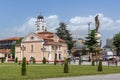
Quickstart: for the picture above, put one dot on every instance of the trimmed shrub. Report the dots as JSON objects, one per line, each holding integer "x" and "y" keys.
{"x": 93, "y": 63}
{"x": 19, "y": 63}
{"x": 23, "y": 69}
{"x": 66, "y": 68}
{"x": 55, "y": 60}
{"x": 2, "y": 60}
{"x": 34, "y": 61}
{"x": 27, "y": 63}
{"x": 16, "y": 60}
{"x": 44, "y": 60}
{"x": 80, "y": 61}
{"x": 100, "y": 66}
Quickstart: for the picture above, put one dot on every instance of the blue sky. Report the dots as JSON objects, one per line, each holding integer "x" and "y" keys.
{"x": 17, "y": 17}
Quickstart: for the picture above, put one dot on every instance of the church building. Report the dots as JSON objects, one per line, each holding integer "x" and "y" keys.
{"x": 41, "y": 44}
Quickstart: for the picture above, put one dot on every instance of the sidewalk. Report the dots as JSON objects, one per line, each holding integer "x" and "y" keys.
{"x": 93, "y": 77}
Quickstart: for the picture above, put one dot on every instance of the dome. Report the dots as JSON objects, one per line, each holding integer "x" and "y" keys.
{"x": 79, "y": 44}
{"x": 40, "y": 17}
{"x": 98, "y": 36}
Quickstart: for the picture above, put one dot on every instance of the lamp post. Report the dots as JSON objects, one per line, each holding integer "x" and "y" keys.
{"x": 43, "y": 50}
{"x": 23, "y": 49}
{"x": 55, "y": 48}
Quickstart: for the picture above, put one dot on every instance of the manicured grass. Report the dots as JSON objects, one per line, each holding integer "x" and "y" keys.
{"x": 12, "y": 71}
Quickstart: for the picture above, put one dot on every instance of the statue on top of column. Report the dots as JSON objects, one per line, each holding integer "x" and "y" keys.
{"x": 97, "y": 23}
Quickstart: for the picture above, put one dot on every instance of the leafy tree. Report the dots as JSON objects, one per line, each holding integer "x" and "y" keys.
{"x": 23, "y": 69}
{"x": 13, "y": 47}
{"x": 13, "y": 51}
{"x": 116, "y": 42}
{"x": 91, "y": 41}
{"x": 64, "y": 34}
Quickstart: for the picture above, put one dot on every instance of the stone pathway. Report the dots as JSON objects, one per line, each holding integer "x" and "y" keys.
{"x": 93, "y": 77}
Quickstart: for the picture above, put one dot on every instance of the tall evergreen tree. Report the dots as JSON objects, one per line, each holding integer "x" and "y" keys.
{"x": 116, "y": 42}
{"x": 23, "y": 68}
{"x": 91, "y": 41}
{"x": 64, "y": 34}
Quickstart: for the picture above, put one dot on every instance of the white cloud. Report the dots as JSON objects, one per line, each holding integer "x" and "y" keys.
{"x": 77, "y": 25}
{"x": 52, "y": 22}
{"x": 27, "y": 26}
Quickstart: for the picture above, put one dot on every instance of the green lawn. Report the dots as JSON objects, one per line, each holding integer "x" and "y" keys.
{"x": 12, "y": 71}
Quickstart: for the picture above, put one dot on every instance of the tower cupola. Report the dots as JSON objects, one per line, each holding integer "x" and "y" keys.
{"x": 40, "y": 24}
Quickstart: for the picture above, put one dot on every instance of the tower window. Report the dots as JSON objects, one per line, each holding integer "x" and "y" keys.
{"x": 42, "y": 27}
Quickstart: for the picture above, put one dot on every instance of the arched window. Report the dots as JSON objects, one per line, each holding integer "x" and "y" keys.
{"x": 31, "y": 47}
{"x": 59, "y": 56}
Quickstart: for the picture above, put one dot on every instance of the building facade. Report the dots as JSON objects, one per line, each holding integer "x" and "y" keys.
{"x": 41, "y": 44}
{"x": 6, "y": 47}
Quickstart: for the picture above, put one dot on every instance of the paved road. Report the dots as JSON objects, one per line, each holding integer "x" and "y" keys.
{"x": 95, "y": 77}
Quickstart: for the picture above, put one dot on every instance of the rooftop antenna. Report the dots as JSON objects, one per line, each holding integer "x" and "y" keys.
{"x": 89, "y": 27}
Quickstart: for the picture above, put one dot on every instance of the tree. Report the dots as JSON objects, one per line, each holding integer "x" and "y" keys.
{"x": 91, "y": 41}
{"x": 55, "y": 60}
{"x": 100, "y": 66}
{"x": 116, "y": 42}
{"x": 16, "y": 60}
{"x": 44, "y": 60}
{"x": 23, "y": 69}
{"x": 34, "y": 61}
{"x": 66, "y": 68}
{"x": 64, "y": 34}
{"x": 2, "y": 60}
{"x": 13, "y": 47}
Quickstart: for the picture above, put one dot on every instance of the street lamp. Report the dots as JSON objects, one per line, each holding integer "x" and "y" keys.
{"x": 55, "y": 48}
{"x": 23, "y": 49}
{"x": 43, "y": 50}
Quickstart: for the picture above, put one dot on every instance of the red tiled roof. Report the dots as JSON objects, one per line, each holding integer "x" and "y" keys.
{"x": 45, "y": 32}
{"x": 51, "y": 43}
{"x": 61, "y": 40}
{"x": 48, "y": 36}
{"x": 11, "y": 39}
{"x": 43, "y": 36}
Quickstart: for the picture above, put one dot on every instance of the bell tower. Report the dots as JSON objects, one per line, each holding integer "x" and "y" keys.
{"x": 40, "y": 24}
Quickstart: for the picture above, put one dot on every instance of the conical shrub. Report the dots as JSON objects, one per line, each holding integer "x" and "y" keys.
{"x": 34, "y": 61}
{"x": 55, "y": 60}
{"x": 44, "y": 60}
{"x": 66, "y": 68}
{"x": 79, "y": 61}
{"x": 100, "y": 66}
{"x": 23, "y": 69}
{"x": 2, "y": 60}
{"x": 93, "y": 63}
{"x": 16, "y": 60}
